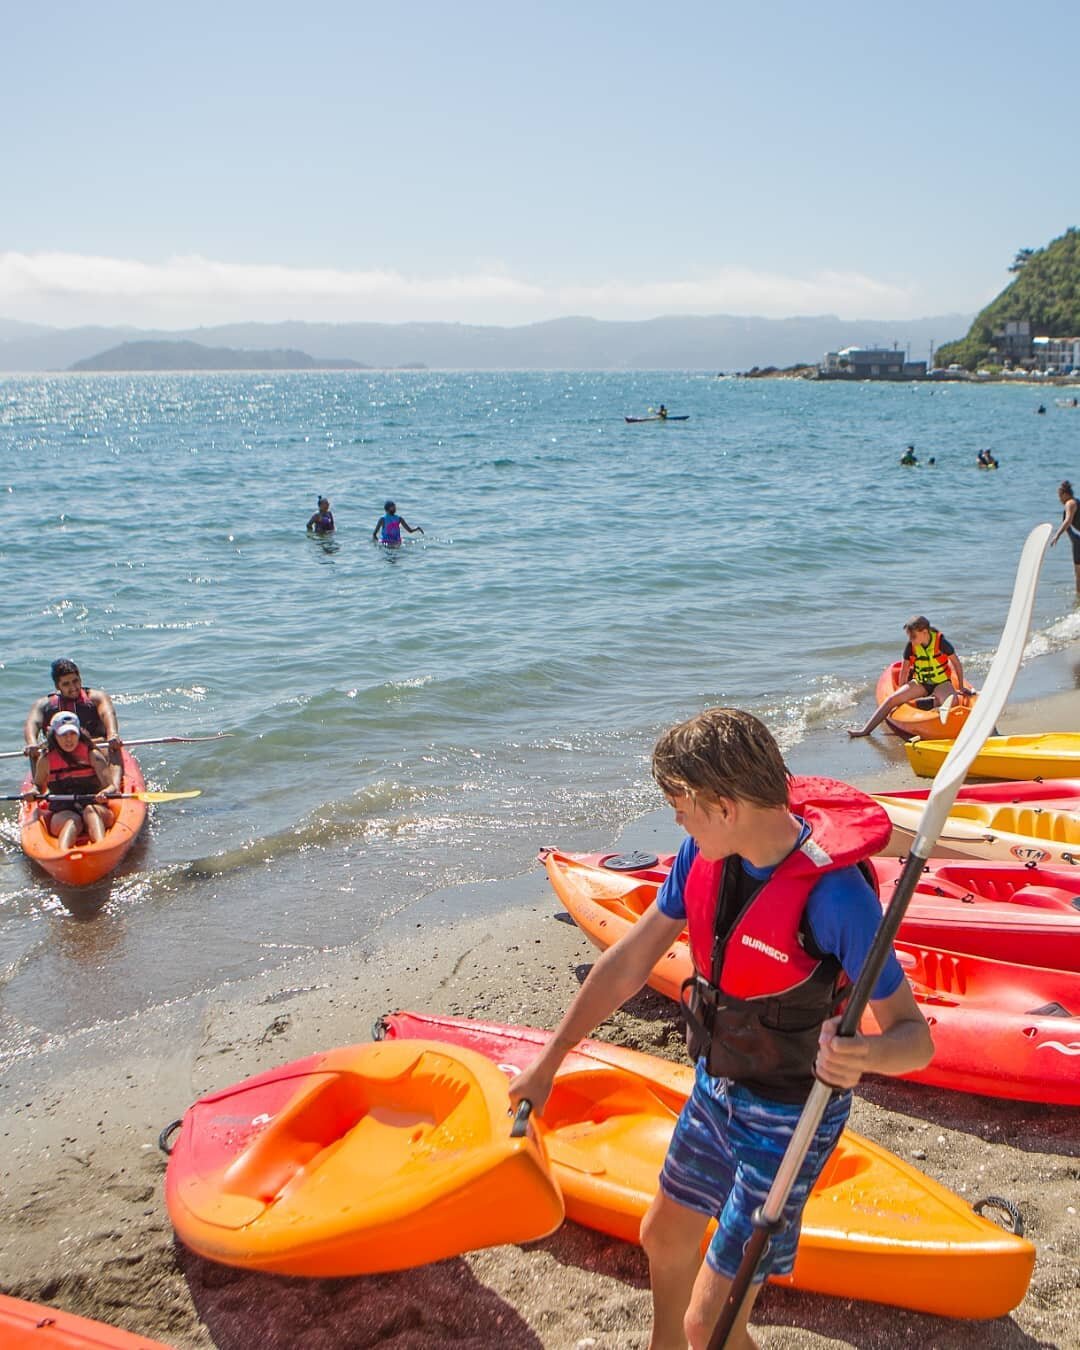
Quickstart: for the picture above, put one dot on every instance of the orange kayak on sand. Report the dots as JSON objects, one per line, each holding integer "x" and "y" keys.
{"x": 1000, "y": 1028}
{"x": 86, "y": 862}
{"x": 873, "y": 1228}
{"x": 922, "y": 718}
{"x": 32, "y": 1326}
{"x": 362, "y": 1159}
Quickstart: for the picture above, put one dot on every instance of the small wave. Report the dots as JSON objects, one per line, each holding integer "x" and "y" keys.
{"x": 792, "y": 720}
{"x": 1061, "y": 633}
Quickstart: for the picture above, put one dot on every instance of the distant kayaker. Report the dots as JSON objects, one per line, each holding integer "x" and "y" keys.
{"x": 1070, "y": 525}
{"x": 93, "y": 708}
{"x": 391, "y": 525}
{"x": 322, "y": 520}
{"x": 909, "y": 457}
{"x": 779, "y": 918}
{"x": 661, "y": 412}
{"x": 73, "y": 763}
{"x": 986, "y": 460}
{"x": 931, "y": 661}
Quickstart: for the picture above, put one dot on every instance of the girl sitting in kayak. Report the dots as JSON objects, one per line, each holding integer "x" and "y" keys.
{"x": 322, "y": 521}
{"x": 72, "y": 763}
{"x": 931, "y": 661}
{"x": 391, "y": 525}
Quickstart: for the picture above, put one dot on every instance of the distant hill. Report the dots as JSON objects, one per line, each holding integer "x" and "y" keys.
{"x": 194, "y": 356}
{"x": 710, "y": 343}
{"x": 1046, "y": 291}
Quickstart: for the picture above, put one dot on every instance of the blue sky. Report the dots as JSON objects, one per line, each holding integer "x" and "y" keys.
{"x": 501, "y": 163}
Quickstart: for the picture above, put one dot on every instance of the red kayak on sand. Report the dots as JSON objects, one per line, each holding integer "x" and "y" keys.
{"x": 1062, "y": 793}
{"x": 873, "y": 1228}
{"x": 32, "y": 1326}
{"x": 1005, "y": 911}
{"x": 86, "y": 862}
{"x": 1000, "y": 1028}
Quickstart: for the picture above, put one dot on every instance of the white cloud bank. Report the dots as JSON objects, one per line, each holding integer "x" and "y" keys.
{"x": 69, "y": 289}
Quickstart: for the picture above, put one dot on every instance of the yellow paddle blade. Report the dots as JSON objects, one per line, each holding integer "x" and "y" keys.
{"x": 163, "y": 796}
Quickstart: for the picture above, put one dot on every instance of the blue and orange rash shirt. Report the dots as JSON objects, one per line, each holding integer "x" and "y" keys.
{"x": 391, "y": 529}
{"x": 841, "y": 916}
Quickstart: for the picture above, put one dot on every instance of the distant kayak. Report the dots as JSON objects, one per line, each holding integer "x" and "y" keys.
{"x": 683, "y": 417}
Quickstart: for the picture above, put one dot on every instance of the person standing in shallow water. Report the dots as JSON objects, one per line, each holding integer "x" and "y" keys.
{"x": 1070, "y": 525}
{"x": 391, "y": 525}
{"x": 322, "y": 520}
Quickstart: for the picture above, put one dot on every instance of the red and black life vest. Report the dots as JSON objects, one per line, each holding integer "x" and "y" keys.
{"x": 84, "y": 708}
{"x": 74, "y": 772}
{"x": 761, "y": 990}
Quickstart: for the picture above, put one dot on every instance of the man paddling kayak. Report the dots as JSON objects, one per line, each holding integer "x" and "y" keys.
{"x": 779, "y": 918}
{"x": 92, "y": 707}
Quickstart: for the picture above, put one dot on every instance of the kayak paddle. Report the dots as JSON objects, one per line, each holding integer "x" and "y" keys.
{"x": 978, "y": 726}
{"x": 117, "y": 797}
{"x": 154, "y": 740}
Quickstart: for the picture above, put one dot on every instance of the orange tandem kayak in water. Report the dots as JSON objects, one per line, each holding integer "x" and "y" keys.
{"x": 86, "y": 862}
{"x": 367, "y": 1158}
{"x": 873, "y": 1228}
{"x": 32, "y": 1326}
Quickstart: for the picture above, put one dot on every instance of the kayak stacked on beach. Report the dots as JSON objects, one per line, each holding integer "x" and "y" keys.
{"x": 86, "y": 862}
{"x": 1050, "y": 755}
{"x": 1001, "y": 1028}
{"x": 368, "y": 1158}
{"x": 384, "y": 1156}
{"x": 873, "y": 1228}
{"x": 32, "y": 1326}
{"x": 1019, "y": 822}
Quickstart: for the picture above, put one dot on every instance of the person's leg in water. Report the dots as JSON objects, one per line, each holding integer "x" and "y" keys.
{"x": 907, "y": 693}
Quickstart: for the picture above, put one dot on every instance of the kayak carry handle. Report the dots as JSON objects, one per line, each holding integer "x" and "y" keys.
{"x": 521, "y": 1119}
{"x": 163, "y": 1137}
{"x": 1016, "y": 1221}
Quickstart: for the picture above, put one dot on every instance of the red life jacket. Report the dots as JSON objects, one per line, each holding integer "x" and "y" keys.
{"x": 65, "y": 776}
{"x": 84, "y": 708}
{"x": 759, "y": 995}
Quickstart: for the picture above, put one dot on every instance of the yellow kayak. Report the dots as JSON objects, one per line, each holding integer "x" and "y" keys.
{"x": 1018, "y": 831}
{"x": 1054, "y": 755}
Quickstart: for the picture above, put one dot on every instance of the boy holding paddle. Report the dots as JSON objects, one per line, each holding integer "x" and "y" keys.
{"x": 779, "y": 919}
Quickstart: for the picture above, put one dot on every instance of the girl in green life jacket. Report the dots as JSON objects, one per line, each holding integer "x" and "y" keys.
{"x": 929, "y": 668}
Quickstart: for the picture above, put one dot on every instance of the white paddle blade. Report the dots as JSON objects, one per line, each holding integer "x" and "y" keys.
{"x": 990, "y": 702}
{"x": 945, "y": 708}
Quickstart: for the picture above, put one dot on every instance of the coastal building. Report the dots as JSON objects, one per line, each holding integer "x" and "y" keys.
{"x": 1012, "y": 342}
{"x": 870, "y": 363}
{"x": 1056, "y": 355}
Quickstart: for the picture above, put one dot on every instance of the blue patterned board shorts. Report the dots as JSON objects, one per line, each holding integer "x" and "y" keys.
{"x": 724, "y": 1153}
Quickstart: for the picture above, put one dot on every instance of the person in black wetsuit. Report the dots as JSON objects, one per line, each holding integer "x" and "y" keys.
{"x": 1070, "y": 525}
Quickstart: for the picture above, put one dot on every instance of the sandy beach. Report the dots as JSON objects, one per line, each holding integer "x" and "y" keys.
{"x": 84, "y": 1225}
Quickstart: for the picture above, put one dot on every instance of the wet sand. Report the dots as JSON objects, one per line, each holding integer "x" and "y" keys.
{"x": 84, "y": 1225}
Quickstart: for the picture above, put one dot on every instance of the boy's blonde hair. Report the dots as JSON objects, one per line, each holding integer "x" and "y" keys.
{"x": 722, "y": 752}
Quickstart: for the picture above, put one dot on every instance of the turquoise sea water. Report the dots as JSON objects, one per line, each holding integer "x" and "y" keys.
{"x": 401, "y": 722}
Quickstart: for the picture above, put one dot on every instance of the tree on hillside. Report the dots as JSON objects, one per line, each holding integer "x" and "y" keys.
{"x": 1021, "y": 258}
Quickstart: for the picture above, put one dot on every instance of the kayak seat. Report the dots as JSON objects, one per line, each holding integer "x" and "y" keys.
{"x": 1045, "y": 897}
